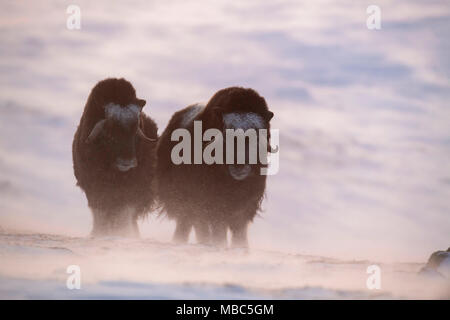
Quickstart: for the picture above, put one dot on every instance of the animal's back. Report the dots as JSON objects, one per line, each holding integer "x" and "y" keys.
{"x": 173, "y": 180}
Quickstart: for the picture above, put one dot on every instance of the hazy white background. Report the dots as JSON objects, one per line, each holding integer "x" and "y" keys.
{"x": 363, "y": 115}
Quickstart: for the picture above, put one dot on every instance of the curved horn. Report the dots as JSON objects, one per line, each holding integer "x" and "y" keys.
{"x": 96, "y": 131}
{"x": 141, "y": 134}
{"x": 271, "y": 149}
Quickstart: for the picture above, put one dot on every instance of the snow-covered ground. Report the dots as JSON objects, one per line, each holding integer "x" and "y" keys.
{"x": 364, "y": 144}
{"x": 34, "y": 266}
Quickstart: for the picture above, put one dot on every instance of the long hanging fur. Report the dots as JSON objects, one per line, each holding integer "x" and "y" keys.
{"x": 206, "y": 196}
{"x": 108, "y": 190}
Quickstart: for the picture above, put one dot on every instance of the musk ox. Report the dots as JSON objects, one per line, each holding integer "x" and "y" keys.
{"x": 114, "y": 158}
{"x": 215, "y": 197}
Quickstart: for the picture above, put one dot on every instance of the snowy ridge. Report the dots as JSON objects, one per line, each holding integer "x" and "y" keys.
{"x": 35, "y": 267}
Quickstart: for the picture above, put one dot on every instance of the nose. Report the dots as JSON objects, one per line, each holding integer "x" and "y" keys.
{"x": 240, "y": 172}
{"x": 126, "y": 164}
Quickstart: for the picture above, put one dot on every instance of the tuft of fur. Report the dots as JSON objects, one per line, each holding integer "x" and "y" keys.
{"x": 207, "y": 197}
{"x": 110, "y": 192}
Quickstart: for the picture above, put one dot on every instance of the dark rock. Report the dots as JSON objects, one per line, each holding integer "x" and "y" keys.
{"x": 437, "y": 264}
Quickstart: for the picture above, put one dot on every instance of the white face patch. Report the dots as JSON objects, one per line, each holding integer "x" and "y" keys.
{"x": 125, "y": 115}
{"x": 243, "y": 121}
{"x": 190, "y": 115}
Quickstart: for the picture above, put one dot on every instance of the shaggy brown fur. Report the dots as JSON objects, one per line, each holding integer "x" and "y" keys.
{"x": 117, "y": 198}
{"x": 206, "y": 196}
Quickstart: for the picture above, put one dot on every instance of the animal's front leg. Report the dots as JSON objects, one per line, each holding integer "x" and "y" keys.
{"x": 121, "y": 222}
{"x": 182, "y": 230}
{"x": 124, "y": 223}
{"x": 219, "y": 234}
{"x": 202, "y": 231}
{"x": 239, "y": 234}
{"x": 100, "y": 223}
